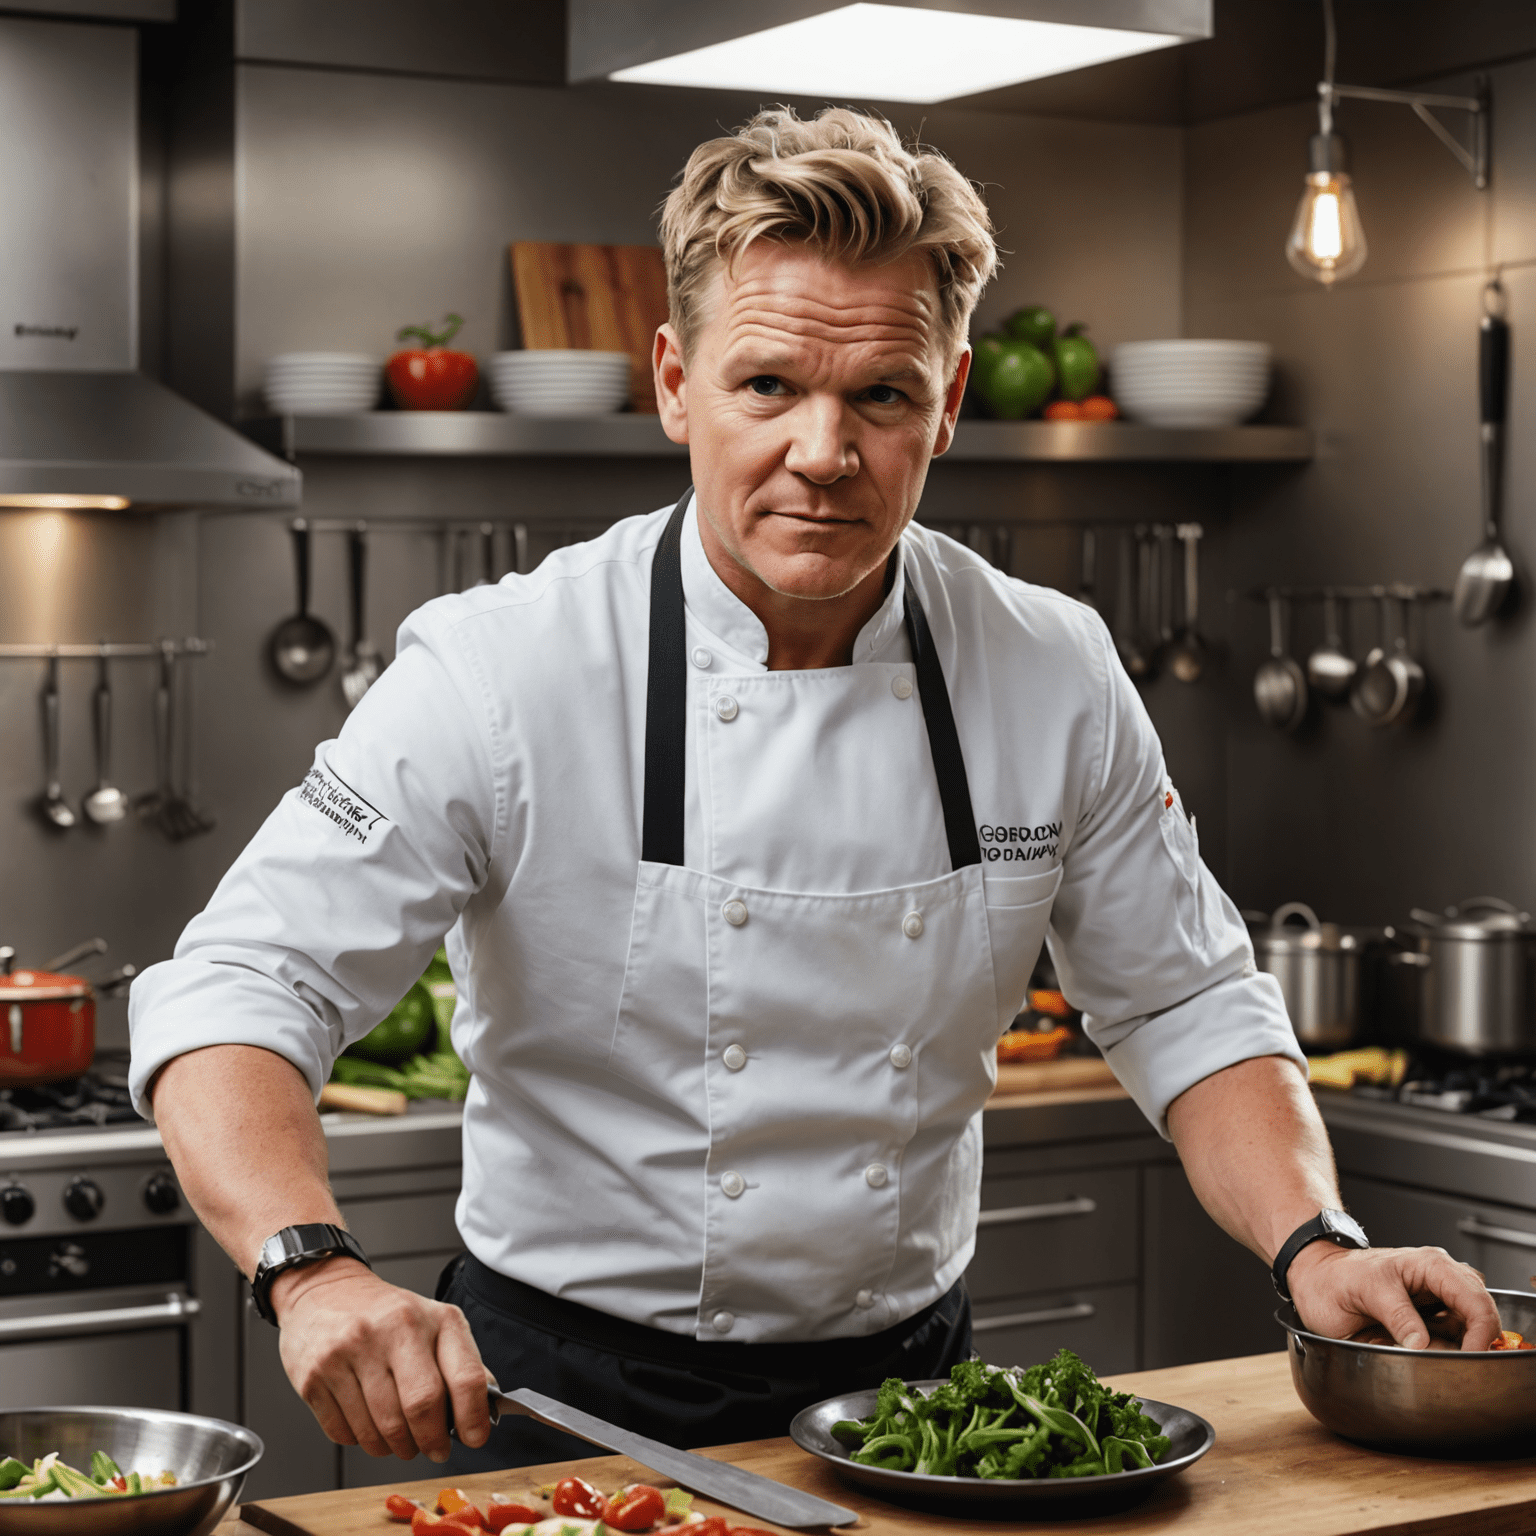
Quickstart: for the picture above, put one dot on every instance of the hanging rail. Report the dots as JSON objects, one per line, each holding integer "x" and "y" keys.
{"x": 110, "y": 650}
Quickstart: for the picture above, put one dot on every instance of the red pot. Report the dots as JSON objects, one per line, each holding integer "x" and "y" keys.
{"x": 47, "y": 1027}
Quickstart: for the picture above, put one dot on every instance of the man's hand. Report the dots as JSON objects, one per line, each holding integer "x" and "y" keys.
{"x": 377, "y": 1364}
{"x": 1339, "y": 1291}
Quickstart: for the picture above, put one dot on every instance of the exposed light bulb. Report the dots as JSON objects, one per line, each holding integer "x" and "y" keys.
{"x": 1326, "y": 241}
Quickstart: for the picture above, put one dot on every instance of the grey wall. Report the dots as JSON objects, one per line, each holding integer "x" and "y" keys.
{"x": 1361, "y": 824}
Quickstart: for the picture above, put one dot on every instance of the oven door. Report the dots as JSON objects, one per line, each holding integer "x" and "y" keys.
{"x": 122, "y": 1347}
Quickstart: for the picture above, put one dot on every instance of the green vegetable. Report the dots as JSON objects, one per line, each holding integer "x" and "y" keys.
{"x": 679, "y": 1503}
{"x": 12, "y": 1472}
{"x": 1077, "y": 364}
{"x": 409, "y": 1027}
{"x": 1035, "y": 324}
{"x": 1053, "y": 1420}
{"x": 985, "y": 351}
{"x": 1019, "y": 381}
{"x": 103, "y": 1468}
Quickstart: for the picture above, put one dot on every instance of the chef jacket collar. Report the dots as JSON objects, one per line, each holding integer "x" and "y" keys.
{"x": 725, "y": 616}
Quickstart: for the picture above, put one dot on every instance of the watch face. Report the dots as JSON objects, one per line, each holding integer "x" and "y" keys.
{"x": 1342, "y": 1224}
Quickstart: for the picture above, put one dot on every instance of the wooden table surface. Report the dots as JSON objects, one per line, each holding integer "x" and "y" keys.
{"x": 1274, "y": 1471}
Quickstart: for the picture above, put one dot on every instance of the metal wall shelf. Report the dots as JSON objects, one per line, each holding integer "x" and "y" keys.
{"x": 492, "y": 434}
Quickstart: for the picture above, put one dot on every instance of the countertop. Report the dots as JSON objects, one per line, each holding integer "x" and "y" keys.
{"x": 1274, "y": 1471}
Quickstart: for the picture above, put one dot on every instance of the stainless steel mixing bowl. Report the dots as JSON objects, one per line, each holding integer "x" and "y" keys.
{"x": 209, "y": 1457}
{"x": 1422, "y": 1402}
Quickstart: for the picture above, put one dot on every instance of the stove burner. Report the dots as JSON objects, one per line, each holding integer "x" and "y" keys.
{"x": 100, "y": 1097}
{"x": 1492, "y": 1090}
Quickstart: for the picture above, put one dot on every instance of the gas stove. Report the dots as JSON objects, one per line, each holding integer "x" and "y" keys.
{"x": 1489, "y": 1088}
{"x": 98, "y": 1098}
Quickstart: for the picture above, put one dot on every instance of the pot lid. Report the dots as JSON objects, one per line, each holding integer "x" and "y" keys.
{"x": 1479, "y": 919}
{"x": 1277, "y": 934}
{"x": 41, "y": 987}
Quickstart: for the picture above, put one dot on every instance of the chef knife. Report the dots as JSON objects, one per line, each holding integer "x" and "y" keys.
{"x": 743, "y": 1490}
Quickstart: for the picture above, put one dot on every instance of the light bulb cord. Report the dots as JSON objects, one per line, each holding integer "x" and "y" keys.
{"x": 1330, "y": 57}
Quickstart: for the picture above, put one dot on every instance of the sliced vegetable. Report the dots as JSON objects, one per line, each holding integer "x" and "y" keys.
{"x": 636, "y": 1508}
{"x": 454, "y": 1503}
{"x": 400, "y": 1508}
{"x": 103, "y": 1468}
{"x": 576, "y": 1496}
{"x": 502, "y": 1512}
{"x": 12, "y": 1472}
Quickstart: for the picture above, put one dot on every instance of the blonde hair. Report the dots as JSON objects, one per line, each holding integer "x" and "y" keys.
{"x": 842, "y": 183}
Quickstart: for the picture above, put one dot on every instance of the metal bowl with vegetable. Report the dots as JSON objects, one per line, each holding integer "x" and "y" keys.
{"x": 1003, "y": 1436}
{"x": 59, "y": 1468}
{"x": 1440, "y": 1401}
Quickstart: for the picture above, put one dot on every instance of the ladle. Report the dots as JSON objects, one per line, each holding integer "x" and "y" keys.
{"x": 362, "y": 670}
{"x": 1280, "y": 686}
{"x": 302, "y": 648}
{"x": 106, "y": 803}
{"x": 53, "y": 805}
{"x": 1133, "y": 655}
{"x": 1330, "y": 668}
{"x": 1487, "y": 574}
{"x": 1187, "y": 660}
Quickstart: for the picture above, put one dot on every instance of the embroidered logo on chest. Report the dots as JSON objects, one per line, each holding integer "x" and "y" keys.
{"x": 1022, "y": 845}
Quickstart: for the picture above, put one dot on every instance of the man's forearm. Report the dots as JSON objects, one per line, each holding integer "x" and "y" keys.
{"x": 240, "y": 1127}
{"x": 1254, "y": 1148}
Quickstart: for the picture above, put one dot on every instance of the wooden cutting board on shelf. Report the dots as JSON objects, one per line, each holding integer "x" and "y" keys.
{"x": 602, "y": 298}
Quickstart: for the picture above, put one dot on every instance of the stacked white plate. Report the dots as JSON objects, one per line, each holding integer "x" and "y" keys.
{"x": 1190, "y": 383}
{"x": 559, "y": 382}
{"x": 303, "y": 383}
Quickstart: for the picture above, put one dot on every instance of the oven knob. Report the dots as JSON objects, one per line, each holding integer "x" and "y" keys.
{"x": 161, "y": 1194}
{"x": 16, "y": 1204}
{"x": 68, "y": 1259}
{"x": 83, "y": 1199}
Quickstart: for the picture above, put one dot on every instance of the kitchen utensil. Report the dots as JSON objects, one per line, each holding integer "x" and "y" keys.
{"x": 603, "y": 297}
{"x": 1330, "y": 668}
{"x": 47, "y": 1028}
{"x": 302, "y": 648}
{"x": 1186, "y": 660}
{"x": 487, "y": 576}
{"x": 743, "y": 1490}
{"x": 1087, "y": 576}
{"x": 1163, "y": 574}
{"x": 209, "y": 1457}
{"x": 1386, "y": 689}
{"x": 1133, "y": 655}
{"x": 1478, "y": 992}
{"x": 1320, "y": 970}
{"x": 106, "y": 803}
{"x": 1487, "y": 574}
{"x": 1280, "y": 686}
{"x": 55, "y": 809}
{"x": 520, "y": 548}
{"x": 1421, "y": 1402}
{"x": 362, "y": 664}
{"x": 811, "y": 1430}
{"x": 1190, "y": 382}
{"x": 88, "y": 949}
{"x": 1001, "y": 553}
{"x": 164, "y": 807}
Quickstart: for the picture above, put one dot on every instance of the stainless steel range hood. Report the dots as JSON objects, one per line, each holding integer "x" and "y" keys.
{"x": 80, "y": 426}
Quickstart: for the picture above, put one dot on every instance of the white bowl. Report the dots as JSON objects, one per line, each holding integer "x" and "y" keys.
{"x": 319, "y": 402}
{"x": 1190, "y": 382}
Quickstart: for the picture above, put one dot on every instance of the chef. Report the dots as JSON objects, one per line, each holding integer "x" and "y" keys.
{"x": 745, "y": 823}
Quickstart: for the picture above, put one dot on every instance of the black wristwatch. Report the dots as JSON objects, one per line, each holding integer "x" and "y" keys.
{"x": 294, "y": 1246}
{"x": 1327, "y": 1227}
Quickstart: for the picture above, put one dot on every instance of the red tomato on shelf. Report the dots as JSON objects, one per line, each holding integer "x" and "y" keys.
{"x": 635, "y": 1509}
{"x": 576, "y": 1496}
{"x": 430, "y": 377}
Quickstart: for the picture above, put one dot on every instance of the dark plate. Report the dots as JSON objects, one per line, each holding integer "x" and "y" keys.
{"x": 1191, "y": 1435}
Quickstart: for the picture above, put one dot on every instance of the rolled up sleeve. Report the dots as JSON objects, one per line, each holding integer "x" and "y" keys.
{"x": 339, "y": 901}
{"x": 1144, "y": 940}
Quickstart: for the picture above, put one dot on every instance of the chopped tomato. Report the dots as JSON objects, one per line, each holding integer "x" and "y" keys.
{"x": 401, "y": 1508}
{"x": 749, "y": 1530}
{"x": 456, "y": 1505}
{"x": 637, "y": 1508}
{"x": 1509, "y": 1340}
{"x": 714, "y": 1526}
{"x": 502, "y": 1512}
{"x": 576, "y": 1496}
{"x": 120, "y": 1483}
{"x": 425, "y": 1523}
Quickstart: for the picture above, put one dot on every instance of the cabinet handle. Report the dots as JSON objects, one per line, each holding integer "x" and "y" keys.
{"x": 1075, "y": 1313}
{"x": 55, "y": 1325}
{"x": 1472, "y": 1227}
{"x": 1079, "y": 1205}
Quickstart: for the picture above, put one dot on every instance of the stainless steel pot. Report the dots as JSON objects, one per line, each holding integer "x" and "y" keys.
{"x": 1319, "y": 968}
{"x": 1479, "y": 988}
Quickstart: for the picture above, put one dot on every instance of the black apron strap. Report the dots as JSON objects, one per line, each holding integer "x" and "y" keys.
{"x": 666, "y": 714}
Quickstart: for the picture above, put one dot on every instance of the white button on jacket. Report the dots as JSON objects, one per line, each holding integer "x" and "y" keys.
{"x": 489, "y": 788}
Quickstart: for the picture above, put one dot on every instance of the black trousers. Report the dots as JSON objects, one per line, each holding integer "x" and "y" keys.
{"x": 669, "y": 1386}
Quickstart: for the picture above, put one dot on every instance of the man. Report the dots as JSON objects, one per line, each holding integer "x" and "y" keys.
{"x": 697, "y": 806}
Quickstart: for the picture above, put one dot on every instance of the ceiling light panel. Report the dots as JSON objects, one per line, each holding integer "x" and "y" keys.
{"x": 894, "y": 53}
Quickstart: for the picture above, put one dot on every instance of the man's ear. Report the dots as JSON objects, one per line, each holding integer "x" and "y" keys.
{"x": 952, "y": 399}
{"x": 671, "y": 383}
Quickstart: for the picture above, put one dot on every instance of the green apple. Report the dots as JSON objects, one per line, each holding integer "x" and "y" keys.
{"x": 1077, "y": 364}
{"x": 1035, "y": 324}
{"x": 984, "y": 350}
{"x": 1020, "y": 382}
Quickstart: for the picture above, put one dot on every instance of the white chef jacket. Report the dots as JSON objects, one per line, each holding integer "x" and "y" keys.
{"x": 489, "y": 788}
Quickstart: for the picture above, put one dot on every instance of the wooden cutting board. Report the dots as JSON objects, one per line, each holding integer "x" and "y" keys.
{"x": 604, "y": 298}
{"x": 1274, "y": 1471}
{"x": 1067, "y": 1074}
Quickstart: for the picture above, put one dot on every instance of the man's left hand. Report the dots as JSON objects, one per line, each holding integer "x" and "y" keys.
{"x": 1339, "y": 1291}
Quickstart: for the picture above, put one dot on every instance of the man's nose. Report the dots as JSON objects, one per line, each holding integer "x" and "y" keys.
{"x": 821, "y": 446}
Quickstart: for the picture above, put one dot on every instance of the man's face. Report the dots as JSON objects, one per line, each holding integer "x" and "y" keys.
{"x": 815, "y": 396}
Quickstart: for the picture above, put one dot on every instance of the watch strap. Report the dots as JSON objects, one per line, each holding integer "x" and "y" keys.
{"x": 307, "y": 1243}
{"x": 1327, "y": 1226}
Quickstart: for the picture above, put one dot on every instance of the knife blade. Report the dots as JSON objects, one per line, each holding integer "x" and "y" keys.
{"x": 743, "y": 1490}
